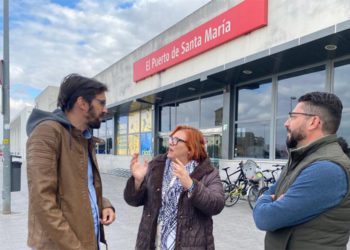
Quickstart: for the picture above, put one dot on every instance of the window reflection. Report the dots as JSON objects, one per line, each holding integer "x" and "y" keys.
{"x": 292, "y": 86}
{"x": 122, "y": 138}
{"x": 281, "y": 136}
{"x": 213, "y": 147}
{"x": 252, "y": 140}
{"x": 167, "y": 118}
{"x": 252, "y": 129}
{"x": 254, "y": 101}
{"x": 341, "y": 82}
{"x": 344, "y": 130}
{"x": 211, "y": 111}
{"x": 105, "y": 132}
{"x": 163, "y": 145}
{"x": 187, "y": 113}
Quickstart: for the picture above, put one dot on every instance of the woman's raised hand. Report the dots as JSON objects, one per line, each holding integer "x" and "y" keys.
{"x": 179, "y": 170}
{"x": 138, "y": 170}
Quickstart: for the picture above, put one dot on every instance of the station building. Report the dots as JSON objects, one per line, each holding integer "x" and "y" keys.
{"x": 233, "y": 69}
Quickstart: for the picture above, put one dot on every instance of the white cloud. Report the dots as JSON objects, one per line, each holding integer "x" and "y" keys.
{"x": 51, "y": 41}
{"x": 48, "y": 41}
{"x": 17, "y": 105}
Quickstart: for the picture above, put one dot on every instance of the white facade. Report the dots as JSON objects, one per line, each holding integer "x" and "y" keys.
{"x": 47, "y": 99}
{"x": 18, "y": 136}
{"x": 288, "y": 22}
{"x": 305, "y": 46}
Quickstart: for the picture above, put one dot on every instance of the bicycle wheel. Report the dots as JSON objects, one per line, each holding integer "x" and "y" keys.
{"x": 225, "y": 185}
{"x": 262, "y": 191}
{"x": 232, "y": 195}
{"x": 253, "y": 195}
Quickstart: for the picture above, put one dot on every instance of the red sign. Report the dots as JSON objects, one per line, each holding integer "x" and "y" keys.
{"x": 237, "y": 21}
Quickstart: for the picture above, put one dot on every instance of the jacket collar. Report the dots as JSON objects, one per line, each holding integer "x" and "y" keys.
{"x": 296, "y": 155}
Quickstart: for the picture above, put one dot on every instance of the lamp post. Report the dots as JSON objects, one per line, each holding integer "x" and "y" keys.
{"x": 6, "y": 190}
{"x": 291, "y": 102}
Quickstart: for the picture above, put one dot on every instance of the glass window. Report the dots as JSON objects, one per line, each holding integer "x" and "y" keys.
{"x": 252, "y": 140}
{"x": 254, "y": 101}
{"x": 341, "y": 82}
{"x": 133, "y": 144}
{"x": 281, "y": 136}
{"x": 163, "y": 145}
{"x": 252, "y": 129}
{"x": 213, "y": 145}
{"x": 146, "y": 143}
{"x": 105, "y": 132}
{"x": 343, "y": 130}
{"x": 134, "y": 133}
{"x": 109, "y": 145}
{"x": 121, "y": 137}
{"x": 187, "y": 113}
{"x": 146, "y": 120}
{"x": 134, "y": 122}
{"x": 290, "y": 88}
{"x": 341, "y": 89}
{"x": 122, "y": 145}
{"x": 211, "y": 111}
{"x": 109, "y": 136}
{"x": 122, "y": 126}
{"x": 167, "y": 118}
{"x": 294, "y": 85}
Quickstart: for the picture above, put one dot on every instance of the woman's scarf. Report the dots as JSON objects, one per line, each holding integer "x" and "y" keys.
{"x": 171, "y": 191}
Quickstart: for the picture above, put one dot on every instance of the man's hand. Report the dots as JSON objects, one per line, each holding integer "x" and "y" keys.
{"x": 273, "y": 196}
{"x": 108, "y": 216}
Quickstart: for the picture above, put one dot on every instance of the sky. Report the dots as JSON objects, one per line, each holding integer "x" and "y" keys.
{"x": 50, "y": 39}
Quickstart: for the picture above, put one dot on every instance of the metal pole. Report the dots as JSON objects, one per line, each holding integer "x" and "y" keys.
{"x": 6, "y": 189}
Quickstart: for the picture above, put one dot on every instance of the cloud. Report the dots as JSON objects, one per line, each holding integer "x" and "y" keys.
{"x": 50, "y": 39}
{"x": 16, "y": 106}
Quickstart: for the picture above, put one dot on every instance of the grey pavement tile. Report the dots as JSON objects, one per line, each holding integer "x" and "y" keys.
{"x": 233, "y": 227}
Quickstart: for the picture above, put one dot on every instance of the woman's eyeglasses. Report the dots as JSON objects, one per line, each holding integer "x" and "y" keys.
{"x": 175, "y": 140}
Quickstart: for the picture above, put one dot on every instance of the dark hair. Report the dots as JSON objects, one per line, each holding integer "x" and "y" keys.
{"x": 195, "y": 142}
{"x": 325, "y": 105}
{"x": 75, "y": 85}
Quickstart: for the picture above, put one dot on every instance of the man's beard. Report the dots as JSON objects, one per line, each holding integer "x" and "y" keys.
{"x": 295, "y": 137}
{"x": 93, "y": 121}
{"x": 96, "y": 124}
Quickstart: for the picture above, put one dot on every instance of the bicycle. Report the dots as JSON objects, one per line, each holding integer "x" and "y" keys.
{"x": 242, "y": 185}
{"x": 254, "y": 189}
{"x": 268, "y": 181}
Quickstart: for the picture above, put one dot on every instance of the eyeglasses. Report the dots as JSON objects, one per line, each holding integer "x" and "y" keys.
{"x": 291, "y": 114}
{"x": 175, "y": 140}
{"x": 101, "y": 102}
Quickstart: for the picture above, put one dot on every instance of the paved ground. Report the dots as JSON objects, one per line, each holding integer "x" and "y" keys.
{"x": 233, "y": 228}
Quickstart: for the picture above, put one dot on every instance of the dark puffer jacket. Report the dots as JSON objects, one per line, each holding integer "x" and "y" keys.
{"x": 194, "y": 222}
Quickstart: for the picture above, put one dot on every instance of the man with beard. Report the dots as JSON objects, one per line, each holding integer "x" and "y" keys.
{"x": 66, "y": 207}
{"x": 309, "y": 206}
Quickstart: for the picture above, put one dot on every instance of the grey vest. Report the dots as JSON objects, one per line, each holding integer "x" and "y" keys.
{"x": 331, "y": 229}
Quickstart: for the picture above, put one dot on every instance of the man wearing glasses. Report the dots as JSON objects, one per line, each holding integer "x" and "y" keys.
{"x": 66, "y": 207}
{"x": 309, "y": 206}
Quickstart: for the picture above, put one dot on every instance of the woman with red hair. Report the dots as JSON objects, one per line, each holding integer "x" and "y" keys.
{"x": 180, "y": 191}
